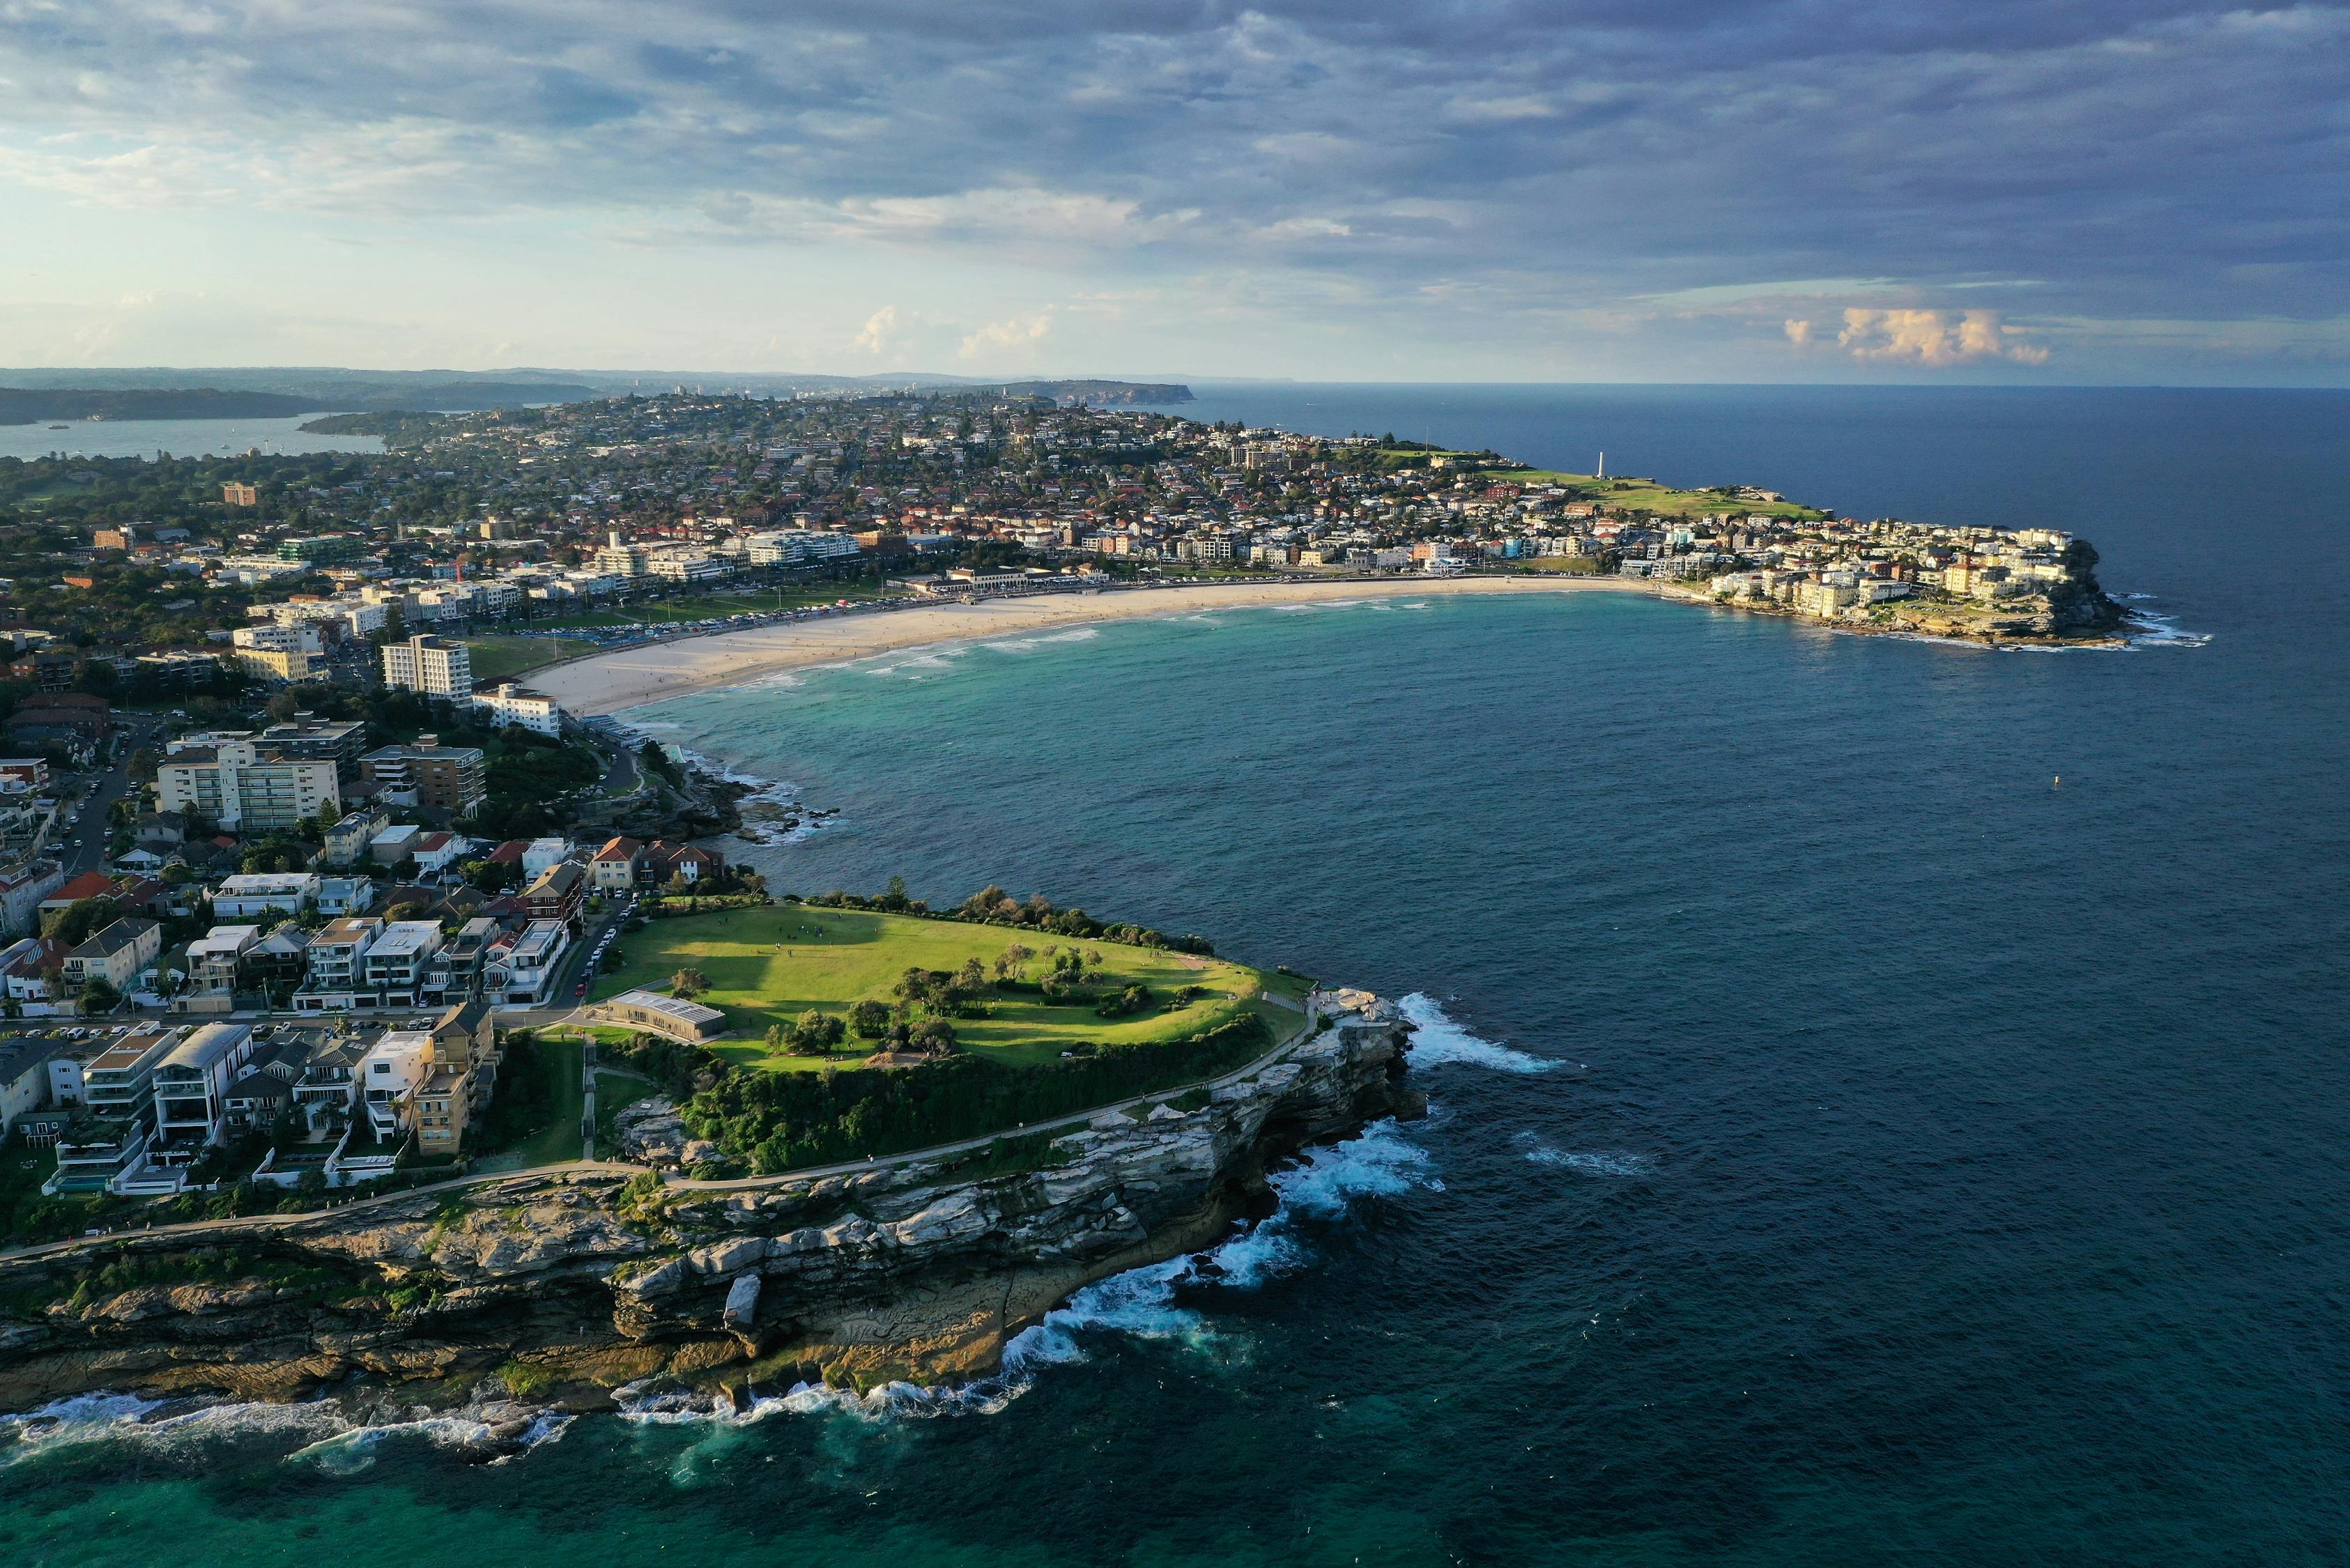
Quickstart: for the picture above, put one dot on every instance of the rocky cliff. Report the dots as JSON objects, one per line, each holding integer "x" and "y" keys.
{"x": 569, "y": 1284}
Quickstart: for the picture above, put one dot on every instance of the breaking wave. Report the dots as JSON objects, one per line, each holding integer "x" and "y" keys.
{"x": 2153, "y": 630}
{"x": 323, "y": 1432}
{"x": 1031, "y": 644}
{"x": 1141, "y": 1304}
{"x": 1439, "y": 1042}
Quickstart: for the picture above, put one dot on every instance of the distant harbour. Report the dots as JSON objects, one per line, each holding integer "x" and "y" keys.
{"x": 181, "y": 438}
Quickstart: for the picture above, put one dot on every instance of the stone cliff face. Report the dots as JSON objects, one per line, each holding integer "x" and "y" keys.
{"x": 575, "y": 1284}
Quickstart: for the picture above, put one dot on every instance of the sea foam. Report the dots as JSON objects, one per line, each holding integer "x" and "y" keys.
{"x": 1439, "y": 1042}
{"x": 1139, "y": 1303}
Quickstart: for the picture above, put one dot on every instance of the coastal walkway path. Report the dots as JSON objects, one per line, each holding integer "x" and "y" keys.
{"x": 251, "y": 1223}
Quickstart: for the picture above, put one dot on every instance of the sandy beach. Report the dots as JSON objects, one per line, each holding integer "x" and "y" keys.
{"x": 607, "y": 682}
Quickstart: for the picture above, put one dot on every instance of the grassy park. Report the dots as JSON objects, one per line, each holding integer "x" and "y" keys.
{"x": 504, "y": 658}
{"x": 1645, "y": 494}
{"x": 768, "y": 966}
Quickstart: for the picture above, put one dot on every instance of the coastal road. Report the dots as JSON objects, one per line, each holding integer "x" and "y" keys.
{"x": 680, "y": 1183}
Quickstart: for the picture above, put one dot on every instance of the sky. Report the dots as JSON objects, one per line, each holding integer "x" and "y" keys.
{"x": 2025, "y": 191}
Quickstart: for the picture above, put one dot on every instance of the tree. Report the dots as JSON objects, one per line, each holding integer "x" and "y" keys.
{"x": 688, "y": 983}
{"x": 98, "y": 996}
{"x": 971, "y": 978}
{"x": 895, "y": 897}
{"x": 814, "y": 1032}
{"x": 870, "y": 1019}
{"x": 283, "y": 706}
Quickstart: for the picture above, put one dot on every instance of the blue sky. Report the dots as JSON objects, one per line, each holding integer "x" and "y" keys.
{"x": 1742, "y": 190}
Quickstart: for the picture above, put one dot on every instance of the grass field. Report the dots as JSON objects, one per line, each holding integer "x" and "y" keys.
{"x": 767, "y": 966}
{"x": 503, "y": 657}
{"x": 661, "y": 612}
{"x": 558, "y": 1139}
{"x": 1645, "y": 494}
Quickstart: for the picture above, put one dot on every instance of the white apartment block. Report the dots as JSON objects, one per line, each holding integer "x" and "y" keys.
{"x": 237, "y": 785}
{"x": 508, "y": 703}
{"x": 431, "y": 665}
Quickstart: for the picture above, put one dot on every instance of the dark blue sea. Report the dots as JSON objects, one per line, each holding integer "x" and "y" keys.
{"x": 1851, "y": 1144}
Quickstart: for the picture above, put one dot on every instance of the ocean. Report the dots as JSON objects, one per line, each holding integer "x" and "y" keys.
{"x": 1850, "y": 1143}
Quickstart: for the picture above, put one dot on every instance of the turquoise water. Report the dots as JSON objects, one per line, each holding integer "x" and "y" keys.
{"x": 1850, "y": 1146}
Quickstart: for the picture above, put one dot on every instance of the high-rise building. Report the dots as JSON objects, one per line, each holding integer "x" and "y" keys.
{"x": 434, "y": 666}
{"x": 238, "y": 785}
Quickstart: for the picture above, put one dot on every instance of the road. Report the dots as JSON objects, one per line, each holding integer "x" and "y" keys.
{"x": 82, "y": 847}
{"x": 686, "y": 1184}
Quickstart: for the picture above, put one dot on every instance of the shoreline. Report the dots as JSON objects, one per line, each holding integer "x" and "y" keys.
{"x": 605, "y": 683}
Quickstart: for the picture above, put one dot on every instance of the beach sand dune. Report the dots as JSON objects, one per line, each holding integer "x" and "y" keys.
{"x": 607, "y": 682}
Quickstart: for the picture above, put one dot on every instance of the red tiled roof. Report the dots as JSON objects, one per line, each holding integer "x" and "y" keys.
{"x": 89, "y": 885}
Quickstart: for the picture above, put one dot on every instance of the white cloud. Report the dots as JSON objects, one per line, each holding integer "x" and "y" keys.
{"x": 1016, "y": 335}
{"x": 1930, "y": 337}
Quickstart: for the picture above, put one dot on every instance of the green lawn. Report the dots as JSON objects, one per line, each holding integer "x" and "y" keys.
{"x": 557, "y": 1138}
{"x": 1645, "y": 493}
{"x": 767, "y": 966}
{"x": 503, "y": 657}
{"x": 661, "y": 611}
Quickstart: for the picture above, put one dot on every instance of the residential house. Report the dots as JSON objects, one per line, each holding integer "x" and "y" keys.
{"x": 523, "y": 971}
{"x": 395, "y": 843}
{"x": 263, "y": 1091}
{"x": 265, "y": 892}
{"x": 387, "y": 1077}
{"x": 395, "y": 963}
{"x": 559, "y": 894}
{"x": 665, "y": 862}
{"x": 24, "y": 889}
{"x": 215, "y": 962}
{"x": 117, "y": 955}
{"x": 542, "y": 853}
{"x": 191, "y": 1084}
{"x": 339, "y": 895}
{"x": 617, "y": 866}
{"x": 437, "y": 851}
{"x": 336, "y": 960}
{"x": 275, "y": 965}
{"x": 348, "y": 841}
{"x": 89, "y": 885}
{"x": 32, "y": 973}
{"x": 24, "y": 1076}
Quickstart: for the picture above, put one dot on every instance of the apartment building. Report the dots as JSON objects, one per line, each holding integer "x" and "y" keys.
{"x": 507, "y": 703}
{"x": 240, "y": 785}
{"x": 117, "y": 955}
{"x": 451, "y": 780}
{"x": 435, "y": 665}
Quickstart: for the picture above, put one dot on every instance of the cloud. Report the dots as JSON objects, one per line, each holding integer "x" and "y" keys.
{"x": 1019, "y": 333}
{"x": 1400, "y": 176}
{"x": 1931, "y": 338}
{"x": 880, "y": 328}
{"x": 1799, "y": 331}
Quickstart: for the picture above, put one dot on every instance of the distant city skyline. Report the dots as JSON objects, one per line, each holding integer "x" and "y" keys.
{"x": 1760, "y": 190}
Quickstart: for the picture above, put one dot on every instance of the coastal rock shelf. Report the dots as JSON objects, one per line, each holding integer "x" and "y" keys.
{"x": 571, "y": 1284}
